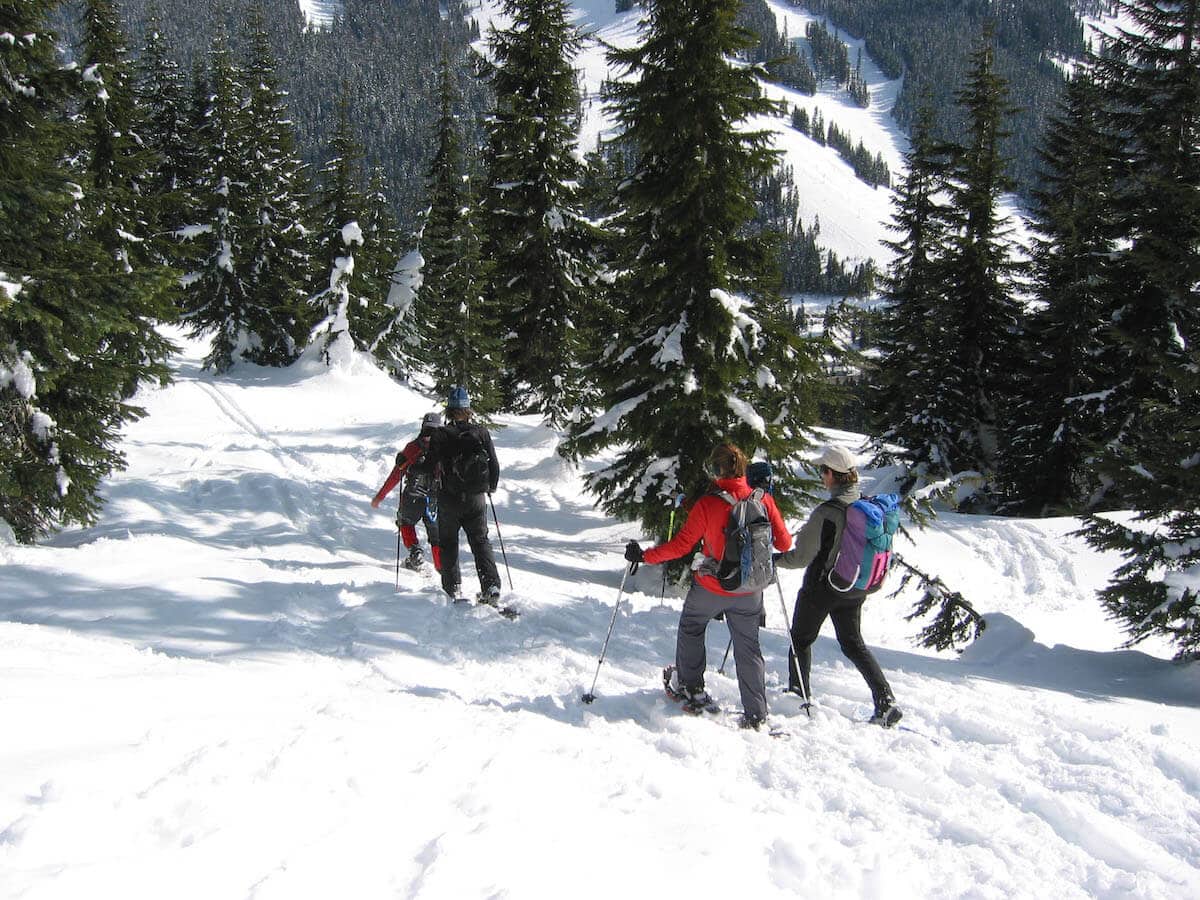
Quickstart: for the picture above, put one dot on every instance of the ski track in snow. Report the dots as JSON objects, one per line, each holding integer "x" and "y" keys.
{"x": 219, "y": 688}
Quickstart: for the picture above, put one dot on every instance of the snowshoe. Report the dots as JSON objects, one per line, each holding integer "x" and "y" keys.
{"x": 415, "y": 559}
{"x": 750, "y": 723}
{"x": 491, "y": 597}
{"x": 692, "y": 700}
{"x": 886, "y": 715}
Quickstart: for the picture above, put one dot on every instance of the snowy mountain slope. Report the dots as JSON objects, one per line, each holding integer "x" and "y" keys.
{"x": 852, "y": 214}
{"x": 320, "y": 13}
{"x": 219, "y": 692}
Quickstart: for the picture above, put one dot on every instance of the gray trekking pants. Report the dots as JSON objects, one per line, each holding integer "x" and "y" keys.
{"x": 741, "y": 615}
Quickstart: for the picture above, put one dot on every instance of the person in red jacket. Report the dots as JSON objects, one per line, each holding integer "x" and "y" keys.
{"x": 706, "y": 523}
{"x": 418, "y": 500}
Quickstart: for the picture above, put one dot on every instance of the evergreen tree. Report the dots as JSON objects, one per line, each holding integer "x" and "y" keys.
{"x": 706, "y": 351}
{"x": 378, "y": 325}
{"x": 115, "y": 155}
{"x": 277, "y": 243}
{"x": 118, "y": 205}
{"x": 163, "y": 91}
{"x": 358, "y": 242}
{"x": 457, "y": 331}
{"x": 215, "y": 294}
{"x": 1059, "y": 421}
{"x": 35, "y": 197}
{"x": 1150, "y": 461}
{"x": 906, "y": 395}
{"x": 340, "y": 209}
{"x": 537, "y": 241}
{"x": 984, "y": 315}
{"x": 74, "y": 304}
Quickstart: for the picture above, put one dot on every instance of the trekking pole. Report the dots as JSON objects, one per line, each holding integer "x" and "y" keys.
{"x": 590, "y": 695}
{"x": 662, "y": 597}
{"x": 501, "y": 537}
{"x": 791, "y": 643}
{"x": 721, "y": 671}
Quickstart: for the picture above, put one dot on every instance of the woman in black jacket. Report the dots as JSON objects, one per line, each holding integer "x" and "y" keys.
{"x": 818, "y": 599}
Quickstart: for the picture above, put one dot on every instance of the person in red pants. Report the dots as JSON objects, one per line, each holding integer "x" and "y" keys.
{"x": 418, "y": 500}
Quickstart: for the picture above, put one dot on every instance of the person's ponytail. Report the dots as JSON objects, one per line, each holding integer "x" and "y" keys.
{"x": 728, "y": 460}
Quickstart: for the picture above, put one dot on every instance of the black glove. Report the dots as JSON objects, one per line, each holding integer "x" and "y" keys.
{"x": 633, "y": 552}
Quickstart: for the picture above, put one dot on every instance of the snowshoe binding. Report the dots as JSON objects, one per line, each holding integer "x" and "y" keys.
{"x": 692, "y": 700}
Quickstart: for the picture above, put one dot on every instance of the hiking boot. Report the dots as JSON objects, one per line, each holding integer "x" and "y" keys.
{"x": 489, "y": 595}
{"x": 697, "y": 696}
{"x": 886, "y": 714}
{"x": 415, "y": 559}
{"x": 693, "y": 697}
{"x": 751, "y": 723}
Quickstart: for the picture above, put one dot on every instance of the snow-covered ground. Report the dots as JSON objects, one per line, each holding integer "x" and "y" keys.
{"x": 218, "y": 691}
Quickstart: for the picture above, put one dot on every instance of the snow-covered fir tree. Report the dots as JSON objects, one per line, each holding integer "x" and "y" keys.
{"x": 35, "y": 196}
{"x": 215, "y": 297}
{"x": 454, "y": 322}
{"x": 277, "y": 243}
{"x": 537, "y": 244}
{"x": 982, "y": 310}
{"x": 163, "y": 90}
{"x": 705, "y": 352}
{"x": 119, "y": 205}
{"x": 114, "y": 151}
{"x": 378, "y": 324}
{"x": 1058, "y": 420}
{"x": 915, "y": 328}
{"x": 357, "y": 244}
{"x": 1151, "y": 461}
{"x": 76, "y": 305}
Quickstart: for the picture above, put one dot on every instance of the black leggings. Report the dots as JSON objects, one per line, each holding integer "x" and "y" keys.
{"x": 846, "y": 613}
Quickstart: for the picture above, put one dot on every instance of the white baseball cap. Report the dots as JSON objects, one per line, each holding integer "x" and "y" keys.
{"x": 836, "y": 458}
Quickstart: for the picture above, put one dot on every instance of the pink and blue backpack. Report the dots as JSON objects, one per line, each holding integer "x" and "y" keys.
{"x": 864, "y": 555}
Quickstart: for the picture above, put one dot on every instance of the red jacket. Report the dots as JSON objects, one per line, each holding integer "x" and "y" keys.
{"x": 707, "y": 521}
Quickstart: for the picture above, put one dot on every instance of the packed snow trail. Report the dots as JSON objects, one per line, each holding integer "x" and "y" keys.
{"x": 218, "y": 692}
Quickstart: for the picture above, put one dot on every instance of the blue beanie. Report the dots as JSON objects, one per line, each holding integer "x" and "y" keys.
{"x": 458, "y": 399}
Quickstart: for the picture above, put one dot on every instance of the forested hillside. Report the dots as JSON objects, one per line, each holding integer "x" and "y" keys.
{"x": 929, "y": 42}
{"x": 379, "y": 58}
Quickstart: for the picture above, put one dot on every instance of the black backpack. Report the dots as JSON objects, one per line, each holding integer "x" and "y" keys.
{"x": 466, "y": 466}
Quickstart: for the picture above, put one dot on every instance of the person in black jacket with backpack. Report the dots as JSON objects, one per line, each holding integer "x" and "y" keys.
{"x": 818, "y": 600}
{"x": 469, "y": 471}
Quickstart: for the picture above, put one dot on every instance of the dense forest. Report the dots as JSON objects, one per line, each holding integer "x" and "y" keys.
{"x": 378, "y": 58}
